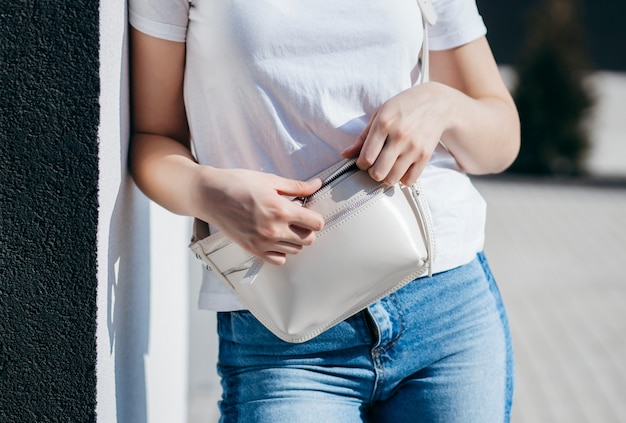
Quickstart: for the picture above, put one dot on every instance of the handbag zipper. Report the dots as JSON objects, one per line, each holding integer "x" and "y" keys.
{"x": 345, "y": 168}
{"x": 336, "y": 174}
{"x": 348, "y": 210}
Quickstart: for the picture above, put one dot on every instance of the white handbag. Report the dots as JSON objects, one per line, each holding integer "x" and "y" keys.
{"x": 376, "y": 239}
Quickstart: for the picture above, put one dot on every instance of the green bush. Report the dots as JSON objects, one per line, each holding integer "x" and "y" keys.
{"x": 551, "y": 95}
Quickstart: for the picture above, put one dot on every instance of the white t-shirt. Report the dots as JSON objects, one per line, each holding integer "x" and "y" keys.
{"x": 283, "y": 86}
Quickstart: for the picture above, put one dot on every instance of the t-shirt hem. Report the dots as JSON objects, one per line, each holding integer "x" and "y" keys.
{"x": 161, "y": 30}
{"x": 219, "y": 302}
{"x": 448, "y": 263}
{"x": 456, "y": 39}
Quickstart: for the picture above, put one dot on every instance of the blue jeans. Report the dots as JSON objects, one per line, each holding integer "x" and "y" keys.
{"x": 437, "y": 350}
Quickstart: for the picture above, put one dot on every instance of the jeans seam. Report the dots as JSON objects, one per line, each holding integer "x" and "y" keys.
{"x": 379, "y": 374}
{"x": 401, "y": 327}
{"x": 509, "y": 372}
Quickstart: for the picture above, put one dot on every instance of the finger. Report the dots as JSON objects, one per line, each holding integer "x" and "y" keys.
{"x": 406, "y": 169}
{"x": 292, "y": 187}
{"x": 278, "y": 253}
{"x": 373, "y": 144}
{"x": 412, "y": 175}
{"x": 302, "y": 236}
{"x": 296, "y": 214}
{"x": 287, "y": 239}
{"x": 290, "y": 242}
{"x": 355, "y": 148}
{"x": 273, "y": 257}
{"x": 307, "y": 219}
{"x": 284, "y": 247}
{"x": 271, "y": 251}
{"x": 385, "y": 164}
{"x": 303, "y": 218}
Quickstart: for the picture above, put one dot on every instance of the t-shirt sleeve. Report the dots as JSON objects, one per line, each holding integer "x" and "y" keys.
{"x": 166, "y": 19}
{"x": 458, "y": 23}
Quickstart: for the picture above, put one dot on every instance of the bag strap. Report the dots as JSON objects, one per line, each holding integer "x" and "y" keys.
{"x": 429, "y": 14}
{"x": 429, "y": 17}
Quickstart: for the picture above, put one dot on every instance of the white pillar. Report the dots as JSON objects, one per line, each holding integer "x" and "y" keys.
{"x": 142, "y": 335}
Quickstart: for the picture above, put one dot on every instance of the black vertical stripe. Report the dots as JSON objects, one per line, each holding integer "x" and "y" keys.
{"x": 49, "y": 113}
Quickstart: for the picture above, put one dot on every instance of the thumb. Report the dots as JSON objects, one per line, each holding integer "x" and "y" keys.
{"x": 355, "y": 148}
{"x": 292, "y": 187}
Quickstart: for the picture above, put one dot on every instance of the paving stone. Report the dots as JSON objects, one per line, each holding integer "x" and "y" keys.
{"x": 558, "y": 253}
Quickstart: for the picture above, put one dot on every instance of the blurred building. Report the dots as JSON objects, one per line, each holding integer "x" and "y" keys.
{"x": 603, "y": 21}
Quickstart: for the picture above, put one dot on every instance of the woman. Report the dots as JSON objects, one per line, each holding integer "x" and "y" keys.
{"x": 268, "y": 93}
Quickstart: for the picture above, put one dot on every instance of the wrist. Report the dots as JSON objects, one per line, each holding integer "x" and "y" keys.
{"x": 202, "y": 190}
{"x": 447, "y": 104}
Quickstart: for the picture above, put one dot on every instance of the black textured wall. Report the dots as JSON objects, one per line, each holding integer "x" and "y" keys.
{"x": 49, "y": 89}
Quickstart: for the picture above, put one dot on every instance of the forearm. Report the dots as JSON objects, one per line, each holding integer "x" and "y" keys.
{"x": 483, "y": 134}
{"x": 482, "y": 126}
{"x": 164, "y": 170}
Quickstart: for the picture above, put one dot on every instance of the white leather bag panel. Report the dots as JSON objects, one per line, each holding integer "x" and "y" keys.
{"x": 350, "y": 266}
{"x": 376, "y": 239}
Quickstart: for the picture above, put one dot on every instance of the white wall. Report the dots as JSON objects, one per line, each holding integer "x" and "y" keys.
{"x": 204, "y": 384}
{"x": 142, "y": 336}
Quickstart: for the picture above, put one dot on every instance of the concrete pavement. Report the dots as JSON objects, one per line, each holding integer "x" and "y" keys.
{"x": 558, "y": 253}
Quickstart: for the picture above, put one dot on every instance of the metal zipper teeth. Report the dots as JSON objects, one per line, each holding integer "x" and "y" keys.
{"x": 343, "y": 170}
{"x": 372, "y": 325}
{"x": 348, "y": 210}
{"x": 346, "y": 168}
{"x": 339, "y": 172}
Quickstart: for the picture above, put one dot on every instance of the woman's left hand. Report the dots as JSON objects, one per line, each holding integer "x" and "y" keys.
{"x": 400, "y": 138}
{"x": 466, "y": 106}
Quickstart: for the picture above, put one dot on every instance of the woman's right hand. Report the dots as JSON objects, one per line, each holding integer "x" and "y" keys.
{"x": 255, "y": 211}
